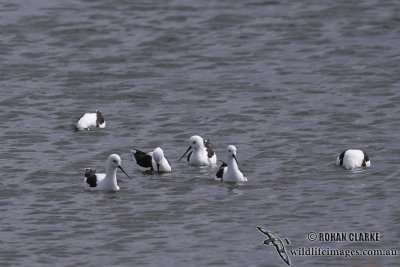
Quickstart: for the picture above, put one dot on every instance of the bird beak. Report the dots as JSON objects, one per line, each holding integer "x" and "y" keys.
{"x": 158, "y": 167}
{"x": 190, "y": 147}
{"x": 234, "y": 156}
{"x": 124, "y": 172}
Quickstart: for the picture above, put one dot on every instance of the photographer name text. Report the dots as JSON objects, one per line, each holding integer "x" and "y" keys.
{"x": 344, "y": 236}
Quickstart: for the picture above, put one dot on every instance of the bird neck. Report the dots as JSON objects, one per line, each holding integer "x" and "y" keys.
{"x": 233, "y": 164}
{"x": 111, "y": 174}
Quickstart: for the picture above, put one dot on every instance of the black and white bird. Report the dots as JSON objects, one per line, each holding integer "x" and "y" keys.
{"x": 201, "y": 153}
{"x": 104, "y": 181}
{"x": 353, "y": 158}
{"x": 229, "y": 171}
{"x": 91, "y": 120}
{"x": 155, "y": 160}
{"x": 277, "y": 242}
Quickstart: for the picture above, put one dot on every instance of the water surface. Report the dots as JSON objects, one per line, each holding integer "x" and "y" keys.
{"x": 290, "y": 84}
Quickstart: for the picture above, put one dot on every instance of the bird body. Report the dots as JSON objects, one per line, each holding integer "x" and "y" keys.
{"x": 229, "y": 171}
{"x": 353, "y": 158}
{"x": 91, "y": 120}
{"x": 104, "y": 181}
{"x": 154, "y": 160}
{"x": 201, "y": 153}
{"x": 273, "y": 239}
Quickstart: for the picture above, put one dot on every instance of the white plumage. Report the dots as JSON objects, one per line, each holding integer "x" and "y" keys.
{"x": 201, "y": 153}
{"x": 229, "y": 172}
{"x": 91, "y": 120}
{"x": 154, "y": 160}
{"x": 104, "y": 181}
{"x": 353, "y": 158}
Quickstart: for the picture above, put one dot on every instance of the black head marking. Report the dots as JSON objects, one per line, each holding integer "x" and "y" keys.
{"x": 99, "y": 118}
{"x": 91, "y": 178}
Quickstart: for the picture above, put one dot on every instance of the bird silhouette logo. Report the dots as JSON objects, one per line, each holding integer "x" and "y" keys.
{"x": 273, "y": 239}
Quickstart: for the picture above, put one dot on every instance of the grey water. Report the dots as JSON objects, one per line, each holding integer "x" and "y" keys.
{"x": 290, "y": 83}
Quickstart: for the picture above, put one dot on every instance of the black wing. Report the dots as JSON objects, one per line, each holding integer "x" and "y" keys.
{"x": 80, "y": 118}
{"x": 221, "y": 169}
{"x": 210, "y": 152}
{"x": 366, "y": 158}
{"x": 341, "y": 157}
{"x": 143, "y": 159}
{"x": 91, "y": 178}
{"x": 99, "y": 118}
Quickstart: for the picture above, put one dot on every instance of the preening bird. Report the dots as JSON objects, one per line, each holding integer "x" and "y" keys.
{"x": 201, "y": 153}
{"x": 155, "y": 160}
{"x": 91, "y": 120}
{"x": 353, "y": 158}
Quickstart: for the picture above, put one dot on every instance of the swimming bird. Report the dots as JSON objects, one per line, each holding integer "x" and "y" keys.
{"x": 353, "y": 158}
{"x": 277, "y": 242}
{"x": 107, "y": 181}
{"x": 229, "y": 172}
{"x": 91, "y": 120}
{"x": 154, "y": 160}
{"x": 201, "y": 153}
